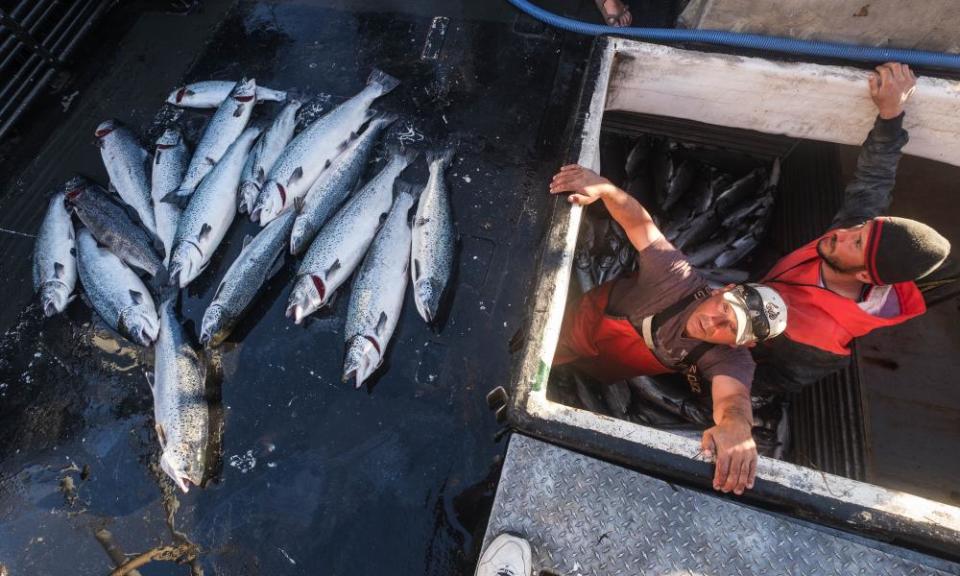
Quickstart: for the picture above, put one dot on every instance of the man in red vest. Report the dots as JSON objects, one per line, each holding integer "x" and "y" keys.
{"x": 861, "y": 274}
{"x": 666, "y": 319}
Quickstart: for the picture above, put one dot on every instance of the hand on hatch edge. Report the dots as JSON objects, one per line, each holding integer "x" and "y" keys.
{"x": 732, "y": 445}
{"x": 587, "y": 186}
{"x": 890, "y": 87}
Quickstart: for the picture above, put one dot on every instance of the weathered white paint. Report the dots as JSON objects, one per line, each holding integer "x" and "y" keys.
{"x": 906, "y": 506}
{"x": 828, "y": 103}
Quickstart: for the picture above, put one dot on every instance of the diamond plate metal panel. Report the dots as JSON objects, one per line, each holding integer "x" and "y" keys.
{"x": 586, "y": 517}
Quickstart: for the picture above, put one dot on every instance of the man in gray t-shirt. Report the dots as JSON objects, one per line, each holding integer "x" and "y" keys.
{"x": 666, "y": 319}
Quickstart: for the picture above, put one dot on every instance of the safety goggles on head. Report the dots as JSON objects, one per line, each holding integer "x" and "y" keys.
{"x": 761, "y": 312}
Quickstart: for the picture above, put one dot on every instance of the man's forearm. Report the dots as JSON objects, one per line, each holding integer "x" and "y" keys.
{"x": 734, "y": 408}
{"x": 632, "y": 216}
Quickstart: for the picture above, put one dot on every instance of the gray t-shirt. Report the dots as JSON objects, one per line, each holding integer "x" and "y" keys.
{"x": 664, "y": 277}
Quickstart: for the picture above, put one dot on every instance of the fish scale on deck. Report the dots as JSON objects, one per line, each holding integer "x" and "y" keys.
{"x": 298, "y": 185}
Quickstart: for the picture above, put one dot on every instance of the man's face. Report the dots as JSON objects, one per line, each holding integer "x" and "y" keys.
{"x": 844, "y": 249}
{"x": 713, "y": 320}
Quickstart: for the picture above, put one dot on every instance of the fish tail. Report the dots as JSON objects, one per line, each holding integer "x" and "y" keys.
{"x": 384, "y": 81}
{"x": 440, "y": 156}
{"x": 405, "y": 155}
{"x": 406, "y": 189}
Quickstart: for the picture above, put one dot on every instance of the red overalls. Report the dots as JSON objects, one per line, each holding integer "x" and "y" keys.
{"x": 823, "y": 319}
{"x": 608, "y": 347}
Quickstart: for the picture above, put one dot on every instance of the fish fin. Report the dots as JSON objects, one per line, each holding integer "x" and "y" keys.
{"x": 58, "y": 269}
{"x": 156, "y": 157}
{"x": 219, "y": 290}
{"x": 420, "y": 221}
{"x": 73, "y": 251}
{"x": 442, "y": 156}
{"x": 261, "y": 176}
{"x": 400, "y": 188}
{"x": 381, "y": 323}
{"x": 112, "y": 189}
{"x": 385, "y": 81}
{"x": 174, "y": 197}
{"x": 239, "y": 111}
{"x": 276, "y": 266}
{"x": 209, "y": 160}
{"x": 148, "y": 374}
{"x": 297, "y": 174}
{"x": 161, "y": 435}
{"x": 136, "y": 296}
{"x": 246, "y": 241}
{"x": 204, "y": 232}
{"x": 416, "y": 269}
{"x": 298, "y": 203}
{"x": 333, "y": 268}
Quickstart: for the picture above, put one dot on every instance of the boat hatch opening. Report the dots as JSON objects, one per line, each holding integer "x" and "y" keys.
{"x": 769, "y": 108}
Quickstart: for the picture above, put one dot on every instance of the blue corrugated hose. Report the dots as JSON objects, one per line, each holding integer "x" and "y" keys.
{"x": 817, "y": 48}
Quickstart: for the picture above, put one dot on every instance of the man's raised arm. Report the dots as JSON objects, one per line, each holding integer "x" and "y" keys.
{"x": 870, "y": 192}
{"x": 587, "y": 187}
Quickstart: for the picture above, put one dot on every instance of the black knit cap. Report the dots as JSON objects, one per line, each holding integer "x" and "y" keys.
{"x": 900, "y": 250}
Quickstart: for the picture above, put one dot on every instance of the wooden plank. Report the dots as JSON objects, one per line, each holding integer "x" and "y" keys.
{"x": 827, "y": 103}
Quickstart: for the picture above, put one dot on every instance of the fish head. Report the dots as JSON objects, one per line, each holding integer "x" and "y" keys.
{"x": 308, "y": 295}
{"x": 104, "y": 129}
{"x": 245, "y": 91}
{"x": 171, "y": 137}
{"x": 54, "y": 297}
{"x": 272, "y": 200}
{"x": 139, "y": 325}
{"x": 186, "y": 263}
{"x": 73, "y": 191}
{"x": 214, "y": 327}
{"x": 184, "y": 464}
{"x": 363, "y": 357}
{"x": 177, "y": 96}
{"x": 426, "y": 295}
{"x": 249, "y": 191}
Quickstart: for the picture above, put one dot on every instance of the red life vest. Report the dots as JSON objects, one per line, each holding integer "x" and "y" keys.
{"x": 606, "y": 347}
{"x": 824, "y": 319}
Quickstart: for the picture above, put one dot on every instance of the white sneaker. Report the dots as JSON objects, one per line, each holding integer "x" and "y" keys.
{"x": 506, "y": 556}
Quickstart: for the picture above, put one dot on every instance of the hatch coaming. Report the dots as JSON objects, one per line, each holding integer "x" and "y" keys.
{"x": 628, "y": 76}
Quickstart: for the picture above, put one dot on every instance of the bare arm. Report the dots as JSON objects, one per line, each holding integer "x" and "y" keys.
{"x": 731, "y": 440}
{"x": 587, "y": 187}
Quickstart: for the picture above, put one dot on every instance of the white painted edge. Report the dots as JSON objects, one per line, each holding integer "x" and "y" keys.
{"x": 907, "y": 506}
{"x": 798, "y": 99}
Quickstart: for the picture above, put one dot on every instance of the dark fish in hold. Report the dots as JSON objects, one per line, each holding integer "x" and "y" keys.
{"x": 709, "y": 250}
{"x": 673, "y": 399}
{"x": 660, "y": 170}
{"x": 682, "y": 173}
{"x": 113, "y": 226}
{"x": 617, "y": 396}
{"x": 703, "y": 198}
{"x": 737, "y": 252}
{"x": 725, "y": 276}
{"x": 750, "y": 207}
{"x": 739, "y": 192}
{"x": 588, "y": 399}
{"x": 701, "y": 228}
{"x": 642, "y": 188}
{"x": 637, "y": 158}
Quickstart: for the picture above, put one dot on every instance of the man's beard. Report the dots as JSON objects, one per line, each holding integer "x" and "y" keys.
{"x": 833, "y": 264}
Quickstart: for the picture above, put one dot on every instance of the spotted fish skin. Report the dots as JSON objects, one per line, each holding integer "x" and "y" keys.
{"x": 226, "y": 125}
{"x": 265, "y": 153}
{"x": 335, "y": 184}
{"x": 113, "y": 227}
{"x": 244, "y": 279}
{"x": 126, "y": 163}
{"x": 115, "y": 291}
{"x": 180, "y": 411}
{"x": 311, "y": 151}
{"x": 169, "y": 164}
{"x": 212, "y": 93}
{"x": 54, "y": 257}
{"x": 208, "y": 216}
{"x": 341, "y": 243}
{"x": 431, "y": 256}
{"x": 377, "y": 296}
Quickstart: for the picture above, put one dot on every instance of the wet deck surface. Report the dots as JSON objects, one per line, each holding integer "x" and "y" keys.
{"x": 316, "y": 477}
